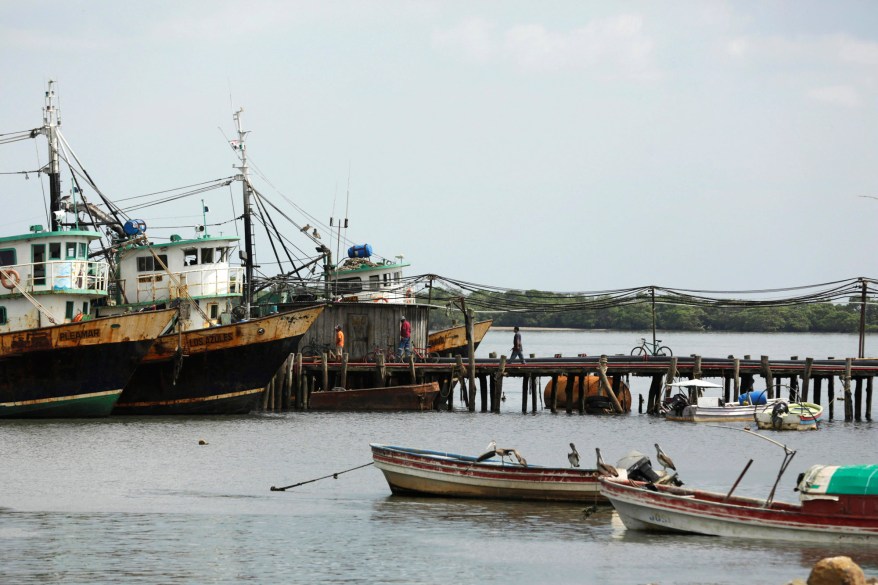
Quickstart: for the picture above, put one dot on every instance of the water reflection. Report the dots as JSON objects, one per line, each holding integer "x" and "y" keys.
{"x": 527, "y": 520}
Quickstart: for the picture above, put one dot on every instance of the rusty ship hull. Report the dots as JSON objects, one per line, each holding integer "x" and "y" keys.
{"x": 452, "y": 341}
{"x": 76, "y": 369}
{"x": 218, "y": 370}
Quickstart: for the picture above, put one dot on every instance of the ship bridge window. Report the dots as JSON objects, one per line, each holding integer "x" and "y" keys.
{"x": 55, "y": 251}
{"x": 350, "y": 285}
{"x": 190, "y": 256}
{"x": 150, "y": 264}
{"x": 83, "y": 250}
{"x": 374, "y": 282}
{"x": 386, "y": 279}
{"x": 207, "y": 255}
{"x": 7, "y": 257}
{"x": 222, "y": 255}
{"x": 397, "y": 276}
{"x": 3, "y": 319}
{"x": 71, "y": 250}
{"x": 38, "y": 258}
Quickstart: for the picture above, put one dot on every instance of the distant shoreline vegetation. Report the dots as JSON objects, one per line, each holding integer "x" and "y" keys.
{"x": 813, "y": 317}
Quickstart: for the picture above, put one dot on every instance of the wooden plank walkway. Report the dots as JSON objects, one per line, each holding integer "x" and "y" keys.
{"x": 801, "y": 377}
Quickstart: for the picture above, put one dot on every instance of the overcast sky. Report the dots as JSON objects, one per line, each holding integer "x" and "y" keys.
{"x": 567, "y": 146}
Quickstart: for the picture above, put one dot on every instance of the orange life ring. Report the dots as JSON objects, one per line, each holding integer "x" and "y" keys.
{"x": 408, "y": 293}
{"x": 9, "y": 278}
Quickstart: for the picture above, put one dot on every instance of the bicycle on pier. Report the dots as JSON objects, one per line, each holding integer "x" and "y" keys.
{"x": 391, "y": 354}
{"x": 647, "y": 349}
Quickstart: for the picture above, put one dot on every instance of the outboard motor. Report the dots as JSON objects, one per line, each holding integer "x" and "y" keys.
{"x": 639, "y": 468}
{"x": 676, "y": 404}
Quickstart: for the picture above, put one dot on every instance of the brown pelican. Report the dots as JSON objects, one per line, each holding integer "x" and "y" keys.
{"x": 509, "y": 452}
{"x": 667, "y": 462}
{"x": 604, "y": 468}
{"x": 573, "y": 456}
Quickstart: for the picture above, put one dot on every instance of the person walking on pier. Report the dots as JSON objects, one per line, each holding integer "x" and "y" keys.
{"x": 405, "y": 338}
{"x": 516, "y": 347}
{"x": 339, "y": 343}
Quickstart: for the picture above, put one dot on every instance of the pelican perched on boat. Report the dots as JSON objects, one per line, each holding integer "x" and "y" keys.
{"x": 510, "y": 452}
{"x": 573, "y": 456}
{"x": 604, "y": 468}
{"x": 667, "y": 462}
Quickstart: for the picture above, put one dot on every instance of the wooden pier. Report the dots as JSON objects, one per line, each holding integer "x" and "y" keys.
{"x": 485, "y": 378}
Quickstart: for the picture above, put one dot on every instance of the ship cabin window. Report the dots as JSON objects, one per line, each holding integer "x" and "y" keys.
{"x": 7, "y": 257}
{"x": 190, "y": 256}
{"x": 213, "y": 310}
{"x": 222, "y": 255}
{"x": 68, "y": 310}
{"x": 55, "y": 251}
{"x": 350, "y": 285}
{"x": 207, "y": 255}
{"x": 386, "y": 279}
{"x": 85, "y": 308}
{"x": 38, "y": 258}
{"x": 374, "y": 282}
{"x": 83, "y": 250}
{"x": 150, "y": 264}
{"x": 3, "y": 319}
{"x": 71, "y": 250}
{"x": 397, "y": 276}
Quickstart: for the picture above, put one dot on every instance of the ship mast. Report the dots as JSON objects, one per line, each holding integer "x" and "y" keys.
{"x": 248, "y": 227}
{"x": 51, "y": 121}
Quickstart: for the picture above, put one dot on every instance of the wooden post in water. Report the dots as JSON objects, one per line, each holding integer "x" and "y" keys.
{"x": 818, "y": 390}
{"x": 617, "y": 390}
{"x": 655, "y": 389}
{"x": 308, "y": 386}
{"x": 736, "y": 365}
{"x": 858, "y": 399}
{"x": 324, "y": 366}
{"x": 413, "y": 372}
{"x": 765, "y": 366}
{"x": 300, "y": 383}
{"x": 498, "y": 388}
{"x": 848, "y": 403}
{"x": 669, "y": 377}
{"x": 869, "y": 398}
{"x": 380, "y": 371}
{"x": 583, "y": 384}
{"x": 492, "y": 391}
{"x": 553, "y": 395}
{"x": 343, "y": 381}
{"x": 483, "y": 392}
{"x": 794, "y": 388}
{"x": 602, "y": 373}
{"x": 571, "y": 388}
{"x": 806, "y": 379}
{"x": 830, "y": 396}
{"x": 533, "y": 394}
{"x": 266, "y": 396}
{"x": 524, "y": 386}
{"x": 471, "y": 353}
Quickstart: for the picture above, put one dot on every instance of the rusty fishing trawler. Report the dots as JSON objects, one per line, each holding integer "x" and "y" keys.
{"x": 56, "y": 361}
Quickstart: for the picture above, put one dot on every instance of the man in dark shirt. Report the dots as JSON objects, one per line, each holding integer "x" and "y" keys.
{"x": 516, "y": 347}
{"x": 405, "y": 338}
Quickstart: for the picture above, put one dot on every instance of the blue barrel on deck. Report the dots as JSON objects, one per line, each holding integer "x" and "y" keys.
{"x": 360, "y": 251}
{"x": 753, "y": 397}
{"x": 134, "y": 227}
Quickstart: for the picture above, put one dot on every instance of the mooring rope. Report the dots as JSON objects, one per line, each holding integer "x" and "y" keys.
{"x": 332, "y": 475}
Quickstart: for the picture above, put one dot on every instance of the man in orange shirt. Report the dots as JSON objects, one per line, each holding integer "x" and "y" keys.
{"x": 339, "y": 342}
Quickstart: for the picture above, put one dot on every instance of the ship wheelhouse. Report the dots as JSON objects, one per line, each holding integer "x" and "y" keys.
{"x": 180, "y": 270}
{"x": 48, "y": 278}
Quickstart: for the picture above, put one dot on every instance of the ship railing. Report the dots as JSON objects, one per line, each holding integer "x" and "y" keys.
{"x": 202, "y": 281}
{"x": 60, "y": 276}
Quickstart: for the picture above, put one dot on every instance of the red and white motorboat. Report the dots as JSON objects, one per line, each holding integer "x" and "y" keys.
{"x": 493, "y": 475}
{"x": 837, "y": 504}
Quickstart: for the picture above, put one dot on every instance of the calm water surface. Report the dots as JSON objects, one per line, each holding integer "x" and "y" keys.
{"x": 137, "y": 500}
